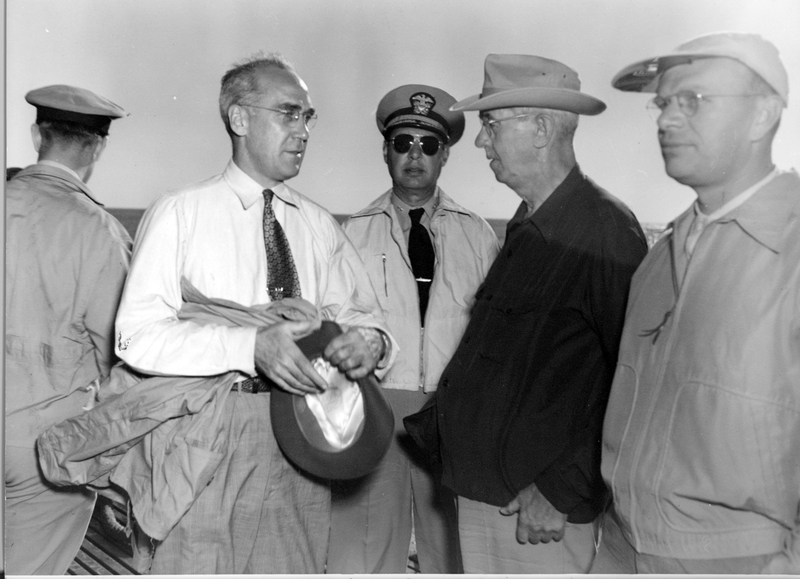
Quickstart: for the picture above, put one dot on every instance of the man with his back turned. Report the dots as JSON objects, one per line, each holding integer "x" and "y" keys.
{"x": 66, "y": 263}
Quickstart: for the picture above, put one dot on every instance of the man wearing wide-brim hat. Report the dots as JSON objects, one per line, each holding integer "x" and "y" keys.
{"x": 426, "y": 255}
{"x": 701, "y": 444}
{"x": 67, "y": 260}
{"x": 521, "y": 403}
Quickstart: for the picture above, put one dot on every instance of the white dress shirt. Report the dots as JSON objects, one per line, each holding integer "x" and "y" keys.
{"x": 212, "y": 234}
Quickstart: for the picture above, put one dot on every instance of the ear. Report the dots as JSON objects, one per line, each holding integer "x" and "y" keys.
{"x": 36, "y": 135}
{"x": 544, "y": 129}
{"x": 99, "y": 148}
{"x": 239, "y": 120}
{"x": 385, "y": 152}
{"x": 768, "y": 114}
{"x": 445, "y": 154}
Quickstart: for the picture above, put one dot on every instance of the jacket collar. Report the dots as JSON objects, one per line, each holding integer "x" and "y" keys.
{"x": 764, "y": 216}
{"x": 59, "y": 173}
{"x": 383, "y": 204}
{"x": 249, "y": 191}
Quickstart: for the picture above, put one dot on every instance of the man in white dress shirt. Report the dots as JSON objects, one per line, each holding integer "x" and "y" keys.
{"x": 260, "y": 513}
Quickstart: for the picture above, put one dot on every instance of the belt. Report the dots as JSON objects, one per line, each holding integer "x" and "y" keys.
{"x": 252, "y": 386}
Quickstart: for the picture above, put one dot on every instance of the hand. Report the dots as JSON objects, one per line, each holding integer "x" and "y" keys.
{"x": 278, "y": 357}
{"x": 356, "y": 352}
{"x": 538, "y": 521}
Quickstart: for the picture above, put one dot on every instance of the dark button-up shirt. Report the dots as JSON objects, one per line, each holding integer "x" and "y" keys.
{"x": 522, "y": 400}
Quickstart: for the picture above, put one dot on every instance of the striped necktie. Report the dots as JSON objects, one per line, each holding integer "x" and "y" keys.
{"x": 282, "y": 280}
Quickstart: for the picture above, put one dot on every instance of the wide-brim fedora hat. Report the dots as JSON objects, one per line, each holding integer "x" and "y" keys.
{"x": 521, "y": 80}
{"x": 301, "y": 437}
{"x": 756, "y": 53}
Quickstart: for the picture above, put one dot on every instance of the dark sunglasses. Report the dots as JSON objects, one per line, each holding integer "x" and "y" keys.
{"x": 403, "y": 143}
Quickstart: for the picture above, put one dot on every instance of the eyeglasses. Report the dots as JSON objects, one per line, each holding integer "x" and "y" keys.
{"x": 688, "y": 102}
{"x": 292, "y": 117}
{"x": 489, "y": 123}
{"x": 403, "y": 143}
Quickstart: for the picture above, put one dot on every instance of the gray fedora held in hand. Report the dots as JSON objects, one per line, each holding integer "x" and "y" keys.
{"x": 299, "y": 433}
{"x": 519, "y": 80}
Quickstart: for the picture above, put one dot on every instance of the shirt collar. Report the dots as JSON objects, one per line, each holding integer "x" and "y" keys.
{"x": 740, "y": 199}
{"x": 249, "y": 191}
{"x": 429, "y": 206}
{"x": 383, "y": 203}
{"x": 549, "y": 217}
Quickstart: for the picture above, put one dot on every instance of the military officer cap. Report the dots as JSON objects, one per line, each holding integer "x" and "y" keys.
{"x": 71, "y": 104}
{"x": 422, "y": 107}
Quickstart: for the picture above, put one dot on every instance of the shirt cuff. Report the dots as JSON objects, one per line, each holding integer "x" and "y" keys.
{"x": 242, "y": 349}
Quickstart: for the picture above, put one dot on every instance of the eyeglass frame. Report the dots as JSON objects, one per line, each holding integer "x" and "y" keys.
{"x": 290, "y": 117}
{"x": 488, "y": 123}
{"x": 656, "y": 109}
{"x": 417, "y": 140}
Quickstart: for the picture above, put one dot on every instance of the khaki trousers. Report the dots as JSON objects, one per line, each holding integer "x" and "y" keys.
{"x": 259, "y": 514}
{"x": 489, "y": 544}
{"x": 371, "y": 517}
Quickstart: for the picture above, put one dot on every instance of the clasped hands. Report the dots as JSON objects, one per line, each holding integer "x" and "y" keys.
{"x": 538, "y": 520}
{"x": 356, "y": 352}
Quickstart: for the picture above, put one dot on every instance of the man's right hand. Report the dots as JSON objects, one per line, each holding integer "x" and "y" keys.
{"x": 278, "y": 357}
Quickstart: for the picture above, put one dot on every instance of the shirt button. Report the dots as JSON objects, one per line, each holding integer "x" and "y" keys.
{"x": 445, "y": 382}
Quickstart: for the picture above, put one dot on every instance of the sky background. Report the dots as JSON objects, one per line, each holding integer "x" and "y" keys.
{"x": 162, "y": 61}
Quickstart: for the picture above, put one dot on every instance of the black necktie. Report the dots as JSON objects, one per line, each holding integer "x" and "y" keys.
{"x": 422, "y": 256}
{"x": 282, "y": 280}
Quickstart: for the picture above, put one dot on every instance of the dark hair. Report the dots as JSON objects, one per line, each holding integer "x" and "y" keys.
{"x": 66, "y": 133}
{"x": 240, "y": 82}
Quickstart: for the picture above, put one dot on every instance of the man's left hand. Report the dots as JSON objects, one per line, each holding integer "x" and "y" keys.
{"x": 538, "y": 521}
{"x": 356, "y": 353}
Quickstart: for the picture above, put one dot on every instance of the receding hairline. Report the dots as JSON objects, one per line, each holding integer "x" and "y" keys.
{"x": 251, "y": 76}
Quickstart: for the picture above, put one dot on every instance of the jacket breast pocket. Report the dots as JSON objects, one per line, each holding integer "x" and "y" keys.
{"x": 508, "y": 331}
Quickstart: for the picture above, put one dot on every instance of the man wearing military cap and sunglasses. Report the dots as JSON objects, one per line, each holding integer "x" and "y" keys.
{"x": 426, "y": 256}
{"x": 67, "y": 260}
{"x": 520, "y": 406}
